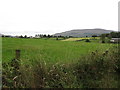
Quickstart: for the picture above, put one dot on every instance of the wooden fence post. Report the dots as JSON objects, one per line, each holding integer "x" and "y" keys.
{"x": 17, "y": 54}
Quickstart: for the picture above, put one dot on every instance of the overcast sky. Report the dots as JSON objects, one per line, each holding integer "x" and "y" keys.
{"x": 53, "y": 16}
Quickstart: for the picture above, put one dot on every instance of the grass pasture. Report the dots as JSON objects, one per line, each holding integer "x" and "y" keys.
{"x": 51, "y": 51}
{"x": 50, "y": 63}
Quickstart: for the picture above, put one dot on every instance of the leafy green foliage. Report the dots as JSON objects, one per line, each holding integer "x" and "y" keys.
{"x": 99, "y": 69}
{"x": 87, "y": 40}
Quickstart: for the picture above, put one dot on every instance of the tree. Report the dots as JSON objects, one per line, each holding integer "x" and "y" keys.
{"x": 21, "y": 36}
{"x": 25, "y": 36}
{"x": 44, "y": 35}
{"x": 113, "y": 34}
{"x": 103, "y": 38}
{"x": 49, "y": 36}
{"x": 36, "y": 35}
{"x": 57, "y": 38}
{"x": 94, "y": 36}
{"x": 109, "y": 36}
{"x": 87, "y": 40}
{"x": 70, "y": 36}
{"x": 64, "y": 37}
{"x": 3, "y": 35}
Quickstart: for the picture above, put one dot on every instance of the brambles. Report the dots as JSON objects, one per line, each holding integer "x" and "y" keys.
{"x": 98, "y": 69}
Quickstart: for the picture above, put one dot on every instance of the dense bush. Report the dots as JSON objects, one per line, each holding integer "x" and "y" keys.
{"x": 87, "y": 40}
{"x": 99, "y": 69}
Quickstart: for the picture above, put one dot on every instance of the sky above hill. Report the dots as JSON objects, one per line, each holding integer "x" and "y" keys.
{"x": 54, "y": 16}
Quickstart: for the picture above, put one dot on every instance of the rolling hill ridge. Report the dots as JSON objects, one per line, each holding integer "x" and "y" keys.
{"x": 83, "y": 32}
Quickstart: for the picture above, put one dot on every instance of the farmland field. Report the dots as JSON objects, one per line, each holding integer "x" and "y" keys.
{"x": 74, "y": 39}
{"x": 51, "y": 51}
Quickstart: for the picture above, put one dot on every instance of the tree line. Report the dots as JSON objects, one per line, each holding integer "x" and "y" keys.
{"x": 50, "y": 36}
{"x": 109, "y": 36}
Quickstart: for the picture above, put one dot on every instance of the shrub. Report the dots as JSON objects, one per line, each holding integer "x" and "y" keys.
{"x": 87, "y": 40}
{"x": 98, "y": 70}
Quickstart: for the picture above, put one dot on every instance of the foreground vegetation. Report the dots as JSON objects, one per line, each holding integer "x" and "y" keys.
{"x": 50, "y": 63}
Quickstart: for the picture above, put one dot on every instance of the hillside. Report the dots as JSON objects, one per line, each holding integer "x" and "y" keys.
{"x": 83, "y": 32}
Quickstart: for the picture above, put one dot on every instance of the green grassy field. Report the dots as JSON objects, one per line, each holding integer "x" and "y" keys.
{"x": 51, "y": 63}
{"x": 51, "y": 51}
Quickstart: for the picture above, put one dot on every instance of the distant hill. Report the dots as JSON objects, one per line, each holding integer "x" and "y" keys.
{"x": 83, "y": 32}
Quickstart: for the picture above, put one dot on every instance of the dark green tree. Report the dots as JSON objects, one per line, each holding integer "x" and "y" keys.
{"x": 25, "y": 36}
{"x": 103, "y": 38}
{"x": 94, "y": 36}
